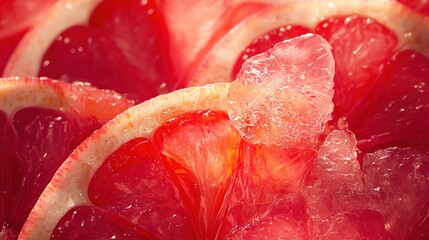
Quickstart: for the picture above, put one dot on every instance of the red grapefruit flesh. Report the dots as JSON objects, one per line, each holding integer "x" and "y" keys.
{"x": 17, "y": 17}
{"x": 197, "y": 157}
{"x": 389, "y": 173}
{"x": 169, "y": 193}
{"x": 166, "y": 41}
{"x": 132, "y": 183}
{"x": 93, "y": 222}
{"x": 42, "y": 121}
{"x": 361, "y": 46}
{"x": 366, "y": 38}
{"x": 182, "y": 152}
{"x": 120, "y": 48}
{"x": 394, "y": 112}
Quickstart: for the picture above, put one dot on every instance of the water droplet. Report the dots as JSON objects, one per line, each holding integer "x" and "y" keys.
{"x": 46, "y": 63}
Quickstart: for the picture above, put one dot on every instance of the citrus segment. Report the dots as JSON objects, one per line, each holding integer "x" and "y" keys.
{"x": 284, "y": 93}
{"x": 94, "y": 222}
{"x": 133, "y": 183}
{"x": 394, "y": 112}
{"x": 89, "y": 57}
{"x": 202, "y": 150}
{"x": 26, "y": 59}
{"x": 42, "y": 122}
{"x": 262, "y": 193}
{"x": 397, "y": 179}
{"x": 361, "y": 47}
{"x": 267, "y": 193}
{"x": 74, "y": 176}
{"x": 111, "y": 52}
{"x": 366, "y": 37}
{"x": 284, "y": 219}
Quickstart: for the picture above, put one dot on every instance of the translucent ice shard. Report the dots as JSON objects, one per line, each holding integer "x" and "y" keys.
{"x": 284, "y": 96}
{"x": 338, "y": 205}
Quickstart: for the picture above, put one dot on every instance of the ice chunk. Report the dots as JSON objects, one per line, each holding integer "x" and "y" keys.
{"x": 284, "y": 96}
{"x": 338, "y": 204}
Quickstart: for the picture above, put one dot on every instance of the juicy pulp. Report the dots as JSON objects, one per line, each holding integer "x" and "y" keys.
{"x": 33, "y": 141}
{"x": 155, "y": 189}
{"x": 121, "y": 48}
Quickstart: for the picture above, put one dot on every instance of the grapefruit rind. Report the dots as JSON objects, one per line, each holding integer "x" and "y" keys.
{"x": 410, "y": 27}
{"x": 68, "y": 187}
{"x": 84, "y": 99}
{"x": 15, "y": 94}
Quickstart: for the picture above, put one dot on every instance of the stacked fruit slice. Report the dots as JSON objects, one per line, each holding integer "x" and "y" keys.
{"x": 197, "y": 164}
{"x": 266, "y": 156}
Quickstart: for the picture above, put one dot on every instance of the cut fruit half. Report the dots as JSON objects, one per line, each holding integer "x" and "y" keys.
{"x": 375, "y": 44}
{"x": 41, "y": 122}
{"x": 113, "y": 45}
{"x": 175, "y": 167}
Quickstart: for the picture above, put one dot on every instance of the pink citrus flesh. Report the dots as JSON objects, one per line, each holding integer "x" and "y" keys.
{"x": 42, "y": 121}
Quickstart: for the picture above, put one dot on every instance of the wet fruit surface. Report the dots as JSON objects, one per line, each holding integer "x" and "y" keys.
{"x": 394, "y": 111}
{"x": 17, "y": 17}
{"x": 41, "y": 122}
{"x": 268, "y": 164}
{"x": 170, "y": 193}
{"x": 30, "y": 144}
{"x": 380, "y": 90}
{"x": 266, "y": 191}
{"x": 121, "y": 48}
{"x": 361, "y": 46}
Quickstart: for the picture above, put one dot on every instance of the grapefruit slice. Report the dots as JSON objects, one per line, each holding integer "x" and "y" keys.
{"x": 42, "y": 121}
{"x": 180, "y": 188}
{"x": 176, "y": 167}
{"x": 374, "y": 44}
{"x": 17, "y": 17}
{"x": 407, "y": 27}
{"x": 113, "y": 45}
{"x": 153, "y": 45}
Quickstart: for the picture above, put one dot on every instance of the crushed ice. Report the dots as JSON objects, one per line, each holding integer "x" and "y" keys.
{"x": 283, "y": 97}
